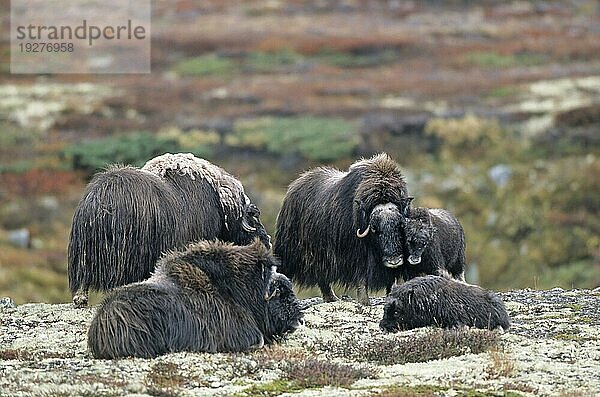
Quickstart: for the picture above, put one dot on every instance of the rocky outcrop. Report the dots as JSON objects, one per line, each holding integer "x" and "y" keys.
{"x": 553, "y": 347}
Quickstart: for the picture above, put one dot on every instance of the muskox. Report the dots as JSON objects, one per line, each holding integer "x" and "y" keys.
{"x": 344, "y": 227}
{"x": 211, "y": 297}
{"x": 442, "y": 302}
{"x": 128, "y": 216}
{"x": 434, "y": 244}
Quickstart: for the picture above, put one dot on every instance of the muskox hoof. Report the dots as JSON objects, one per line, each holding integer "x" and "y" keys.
{"x": 327, "y": 293}
{"x": 80, "y": 300}
{"x": 330, "y": 298}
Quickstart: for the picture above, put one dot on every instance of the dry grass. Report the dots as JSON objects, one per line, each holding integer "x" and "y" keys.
{"x": 276, "y": 353}
{"x": 163, "y": 379}
{"x": 501, "y": 365}
{"x": 32, "y": 355}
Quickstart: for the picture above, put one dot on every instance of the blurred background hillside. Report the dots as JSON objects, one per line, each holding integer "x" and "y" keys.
{"x": 492, "y": 108}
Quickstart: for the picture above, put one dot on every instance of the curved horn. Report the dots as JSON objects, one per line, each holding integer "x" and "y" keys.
{"x": 273, "y": 294}
{"x": 363, "y": 234}
{"x": 246, "y": 226}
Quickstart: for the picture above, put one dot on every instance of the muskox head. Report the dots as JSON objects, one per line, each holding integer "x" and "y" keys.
{"x": 282, "y": 305}
{"x": 419, "y": 232}
{"x": 395, "y": 314}
{"x": 250, "y": 226}
{"x": 384, "y": 229}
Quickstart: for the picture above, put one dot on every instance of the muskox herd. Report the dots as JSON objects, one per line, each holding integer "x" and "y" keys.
{"x": 190, "y": 265}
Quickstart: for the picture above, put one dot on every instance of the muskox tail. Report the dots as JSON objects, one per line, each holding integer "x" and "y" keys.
{"x": 140, "y": 321}
{"x": 124, "y": 221}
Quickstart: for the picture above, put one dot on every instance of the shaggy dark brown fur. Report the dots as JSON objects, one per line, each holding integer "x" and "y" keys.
{"x": 317, "y": 226}
{"x": 128, "y": 216}
{"x": 442, "y": 302}
{"x": 211, "y": 297}
{"x": 434, "y": 244}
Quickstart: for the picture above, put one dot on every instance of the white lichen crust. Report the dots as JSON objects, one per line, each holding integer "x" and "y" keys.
{"x": 553, "y": 348}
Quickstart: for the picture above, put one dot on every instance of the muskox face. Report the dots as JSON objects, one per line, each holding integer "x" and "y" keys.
{"x": 393, "y": 316}
{"x": 418, "y": 233}
{"x": 282, "y": 305}
{"x": 385, "y": 230}
{"x": 251, "y": 226}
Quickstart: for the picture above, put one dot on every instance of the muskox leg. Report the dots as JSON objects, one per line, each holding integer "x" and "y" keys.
{"x": 80, "y": 297}
{"x": 327, "y": 292}
{"x": 362, "y": 295}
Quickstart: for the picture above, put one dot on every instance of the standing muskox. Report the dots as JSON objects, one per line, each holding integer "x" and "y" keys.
{"x": 442, "y": 302}
{"x": 434, "y": 244}
{"x": 344, "y": 227}
{"x": 211, "y": 297}
{"x": 128, "y": 216}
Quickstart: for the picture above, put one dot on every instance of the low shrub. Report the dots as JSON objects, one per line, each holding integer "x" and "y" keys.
{"x": 317, "y": 373}
{"x": 435, "y": 344}
{"x": 133, "y": 148}
{"x": 314, "y": 138}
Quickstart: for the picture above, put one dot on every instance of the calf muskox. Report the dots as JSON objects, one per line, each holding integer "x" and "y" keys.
{"x": 128, "y": 216}
{"x": 344, "y": 227}
{"x": 211, "y": 297}
{"x": 442, "y": 302}
{"x": 434, "y": 244}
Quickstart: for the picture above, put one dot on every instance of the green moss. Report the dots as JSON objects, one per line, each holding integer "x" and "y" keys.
{"x": 574, "y": 335}
{"x": 205, "y": 65}
{"x": 273, "y": 388}
{"x": 314, "y": 138}
{"x": 350, "y": 60}
{"x": 503, "y": 92}
{"x": 265, "y": 62}
{"x": 433, "y": 390}
{"x": 495, "y": 60}
{"x": 575, "y": 307}
{"x": 409, "y": 391}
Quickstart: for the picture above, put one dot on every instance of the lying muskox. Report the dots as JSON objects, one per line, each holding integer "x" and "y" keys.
{"x": 211, "y": 297}
{"x": 344, "y": 227}
{"x": 434, "y": 244}
{"x": 128, "y": 216}
{"x": 442, "y": 302}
